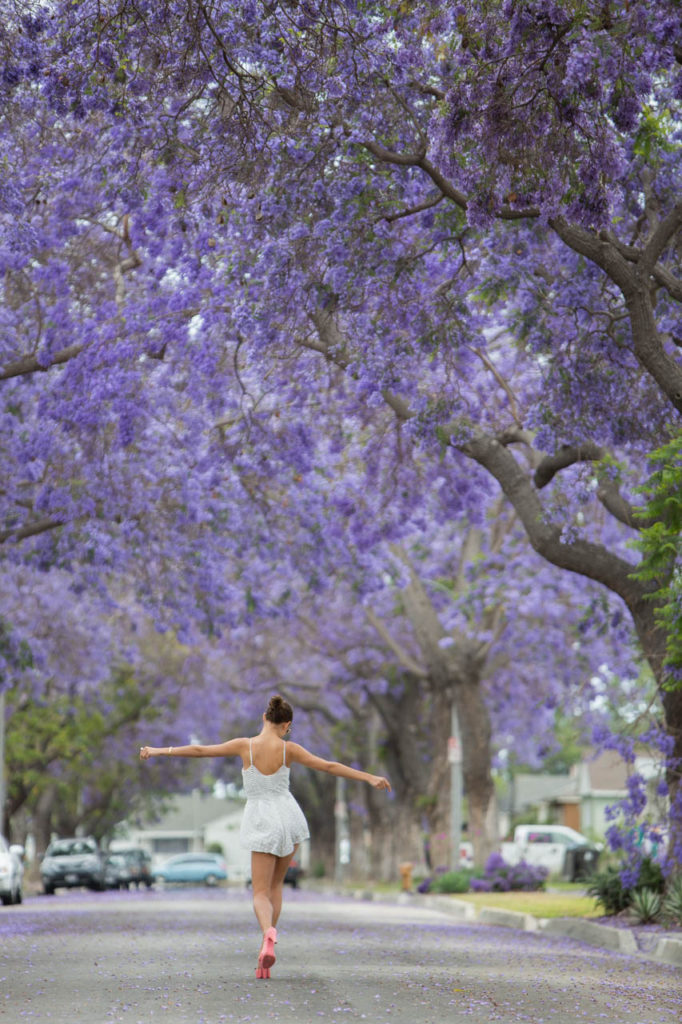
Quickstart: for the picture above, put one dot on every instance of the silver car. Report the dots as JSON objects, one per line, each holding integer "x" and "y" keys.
{"x": 72, "y": 862}
{"x": 11, "y": 873}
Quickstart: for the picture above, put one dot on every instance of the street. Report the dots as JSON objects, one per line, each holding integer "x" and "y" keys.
{"x": 187, "y": 956}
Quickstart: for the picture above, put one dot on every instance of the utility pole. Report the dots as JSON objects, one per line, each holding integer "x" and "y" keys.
{"x": 3, "y": 786}
{"x": 455, "y": 759}
{"x": 342, "y": 835}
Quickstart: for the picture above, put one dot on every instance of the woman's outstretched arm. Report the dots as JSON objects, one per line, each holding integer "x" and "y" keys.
{"x": 299, "y": 754}
{"x": 231, "y": 748}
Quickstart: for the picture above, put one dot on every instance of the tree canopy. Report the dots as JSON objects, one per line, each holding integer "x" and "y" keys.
{"x": 285, "y": 283}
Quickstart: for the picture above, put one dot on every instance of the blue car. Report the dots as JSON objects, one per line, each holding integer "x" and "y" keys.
{"x": 209, "y": 868}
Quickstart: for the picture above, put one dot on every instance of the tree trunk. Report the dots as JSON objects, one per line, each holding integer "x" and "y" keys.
{"x": 42, "y": 819}
{"x": 438, "y": 805}
{"x": 653, "y": 642}
{"x": 476, "y": 733}
{"x": 395, "y": 838}
{"x": 454, "y": 675}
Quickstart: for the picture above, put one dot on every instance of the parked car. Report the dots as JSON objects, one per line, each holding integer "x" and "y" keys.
{"x": 560, "y": 849}
{"x": 209, "y": 868}
{"x": 128, "y": 866}
{"x": 11, "y": 873}
{"x": 293, "y": 875}
{"x": 69, "y": 863}
{"x": 116, "y": 871}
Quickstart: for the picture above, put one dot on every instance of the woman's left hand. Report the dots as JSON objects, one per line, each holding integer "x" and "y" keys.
{"x": 379, "y": 782}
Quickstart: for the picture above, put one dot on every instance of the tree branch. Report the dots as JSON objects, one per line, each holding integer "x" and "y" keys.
{"x": 506, "y": 387}
{"x": 566, "y": 456}
{"x": 661, "y": 275}
{"x": 580, "y": 556}
{"x": 636, "y": 289}
{"x": 389, "y": 156}
{"x": 428, "y": 204}
{"x": 599, "y": 250}
{"x": 403, "y": 656}
{"x": 665, "y": 231}
{"x": 332, "y": 343}
{"x": 30, "y": 529}
{"x": 618, "y": 506}
{"x": 31, "y": 364}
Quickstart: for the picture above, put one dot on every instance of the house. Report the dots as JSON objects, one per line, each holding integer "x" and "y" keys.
{"x": 194, "y": 822}
{"x": 580, "y": 798}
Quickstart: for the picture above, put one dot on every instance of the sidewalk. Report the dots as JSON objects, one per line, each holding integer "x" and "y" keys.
{"x": 665, "y": 947}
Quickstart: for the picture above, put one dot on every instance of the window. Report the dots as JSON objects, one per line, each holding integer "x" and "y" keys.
{"x": 167, "y": 846}
{"x": 71, "y": 847}
{"x": 539, "y": 837}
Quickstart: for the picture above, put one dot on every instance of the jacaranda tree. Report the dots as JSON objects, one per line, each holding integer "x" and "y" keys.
{"x": 275, "y": 271}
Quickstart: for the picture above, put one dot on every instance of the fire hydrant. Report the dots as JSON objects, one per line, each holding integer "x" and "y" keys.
{"x": 406, "y": 875}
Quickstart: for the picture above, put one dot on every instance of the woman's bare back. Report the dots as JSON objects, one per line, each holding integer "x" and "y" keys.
{"x": 268, "y": 754}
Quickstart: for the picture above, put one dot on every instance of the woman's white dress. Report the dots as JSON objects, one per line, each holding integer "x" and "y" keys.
{"x": 273, "y": 822}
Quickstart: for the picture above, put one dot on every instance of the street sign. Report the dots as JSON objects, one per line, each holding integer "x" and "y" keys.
{"x": 454, "y": 750}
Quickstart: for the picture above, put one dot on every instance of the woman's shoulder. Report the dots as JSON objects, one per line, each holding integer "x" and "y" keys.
{"x": 295, "y": 752}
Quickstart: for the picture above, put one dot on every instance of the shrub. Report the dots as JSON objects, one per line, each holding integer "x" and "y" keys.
{"x": 650, "y": 875}
{"x": 607, "y": 889}
{"x": 502, "y": 877}
{"x": 615, "y": 887}
{"x": 646, "y": 905}
{"x": 452, "y": 881}
{"x": 672, "y": 904}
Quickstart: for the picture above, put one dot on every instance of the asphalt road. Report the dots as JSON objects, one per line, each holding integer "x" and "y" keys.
{"x": 187, "y": 956}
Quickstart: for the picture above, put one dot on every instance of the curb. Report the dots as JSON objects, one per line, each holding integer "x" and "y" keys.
{"x": 620, "y": 939}
{"x": 668, "y": 950}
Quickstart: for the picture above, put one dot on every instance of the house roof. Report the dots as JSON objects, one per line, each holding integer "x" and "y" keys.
{"x": 606, "y": 772}
{"x": 532, "y": 789}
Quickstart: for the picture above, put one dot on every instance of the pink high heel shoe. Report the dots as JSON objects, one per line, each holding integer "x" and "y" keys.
{"x": 267, "y": 954}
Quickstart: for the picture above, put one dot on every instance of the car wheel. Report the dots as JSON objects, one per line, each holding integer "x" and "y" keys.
{"x": 18, "y": 896}
{"x": 211, "y": 880}
{"x": 48, "y": 890}
{"x": 7, "y": 899}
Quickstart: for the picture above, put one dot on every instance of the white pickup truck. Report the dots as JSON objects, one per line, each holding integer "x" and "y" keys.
{"x": 560, "y": 849}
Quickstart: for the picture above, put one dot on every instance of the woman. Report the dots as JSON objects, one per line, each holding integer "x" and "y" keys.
{"x": 273, "y": 824}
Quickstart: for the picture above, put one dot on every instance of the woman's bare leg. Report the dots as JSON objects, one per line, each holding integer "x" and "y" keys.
{"x": 277, "y": 886}
{"x": 262, "y": 871}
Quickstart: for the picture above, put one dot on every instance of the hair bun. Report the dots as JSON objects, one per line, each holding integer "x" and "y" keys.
{"x": 279, "y": 710}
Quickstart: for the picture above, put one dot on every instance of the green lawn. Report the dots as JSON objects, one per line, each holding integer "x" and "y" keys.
{"x": 540, "y": 904}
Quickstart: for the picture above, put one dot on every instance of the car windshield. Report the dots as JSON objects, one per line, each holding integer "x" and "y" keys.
{"x": 68, "y": 847}
{"x": 565, "y": 838}
{"x": 571, "y": 838}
